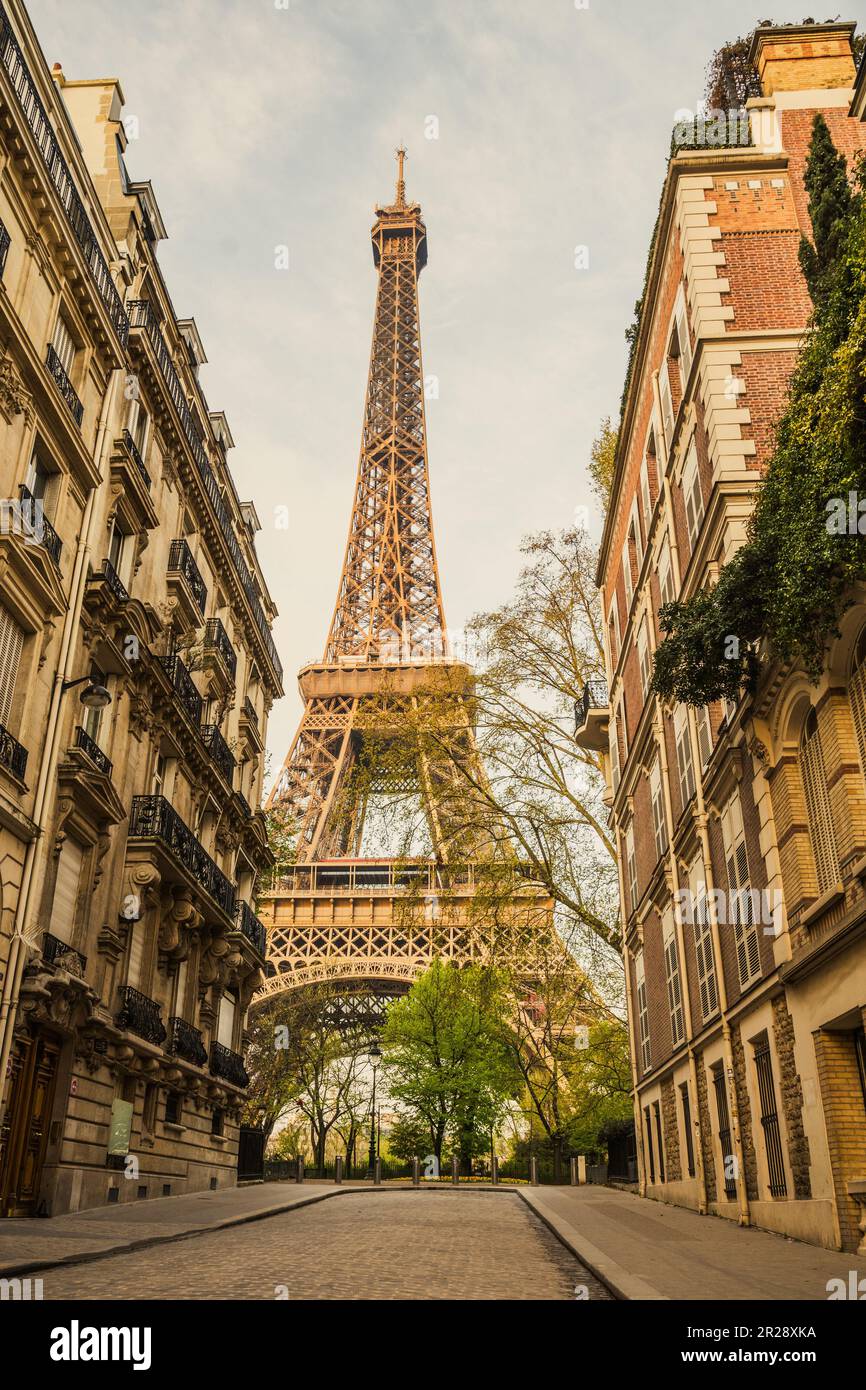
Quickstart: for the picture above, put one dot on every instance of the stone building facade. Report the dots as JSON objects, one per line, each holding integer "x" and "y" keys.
{"x": 741, "y": 829}
{"x": 137, "y": 670}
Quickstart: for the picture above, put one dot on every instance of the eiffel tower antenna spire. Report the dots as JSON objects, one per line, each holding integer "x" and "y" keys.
{"x": 401, "y": 182}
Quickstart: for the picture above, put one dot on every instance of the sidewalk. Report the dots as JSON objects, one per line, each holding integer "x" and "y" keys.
{"x": 644, "y": 1249}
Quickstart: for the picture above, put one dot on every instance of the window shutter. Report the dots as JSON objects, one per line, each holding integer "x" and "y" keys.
{"x": 666, "y": 578}
{"x": 661, "y": 834}
{"x": 631, "y": 868}
{"x": 226, "y": 1027}
{"x": 66, "y": 890}
{"x": 136, "y": 954}
{"x": 819, "y": 814}
{"x": 63, "y": 345}
{"x": 626, "y": 578}
{"x": 672, "y": 973}
{"x": 684, "y": 754}
{"x": 707, "y": 984}
{"x": 685, "y": 347}
{"x": 643, "y": 657}
{"x": 613, "y": 734}
{"x": 642, "y": 1012}
{"x": 705, "y": 734}
{"x": 11, "y": 646}
{"x": 667, "y": 405}
{"x": 645, "y": 498}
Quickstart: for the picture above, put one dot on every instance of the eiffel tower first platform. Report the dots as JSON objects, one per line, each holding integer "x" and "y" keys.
{"x": 374, "y": 923}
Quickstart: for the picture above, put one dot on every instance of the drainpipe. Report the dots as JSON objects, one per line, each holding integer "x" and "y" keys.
{"x": 19, "y": 949}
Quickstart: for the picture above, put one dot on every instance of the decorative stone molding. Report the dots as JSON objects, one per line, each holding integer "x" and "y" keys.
{"x": 15, "y": 399}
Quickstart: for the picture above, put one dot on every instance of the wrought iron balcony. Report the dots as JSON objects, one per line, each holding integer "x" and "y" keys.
{"x": 54, "y": 950}
{"x": 67, "y": 390}
{"x": 142, "y": 316}
{"x": 591, "y": 716}
{"x": 219, "y": 750}
{"x": 183, "y": 686}
{"x": 217, "y": 639}
{"x": 36, "y": 119}
{"x": 245, "y": 805}
{"x": 185, "y": 1041}
{"x": 249, "y": 710}
{"x": 36, "y": 525}
{"x": 180, "y": 561}
{"x": 251, "y": 927}
{"x": 12, "y": 756}
{"x": 93, "y": 751}
{"x": 136, "y": 458}
{"x": 5, "y": 243}
{"x": 113, "y": 582}
{"x": 155, "y": 818}
{"x": 228, "y": 1065}
{"x": 140, "y": 1015}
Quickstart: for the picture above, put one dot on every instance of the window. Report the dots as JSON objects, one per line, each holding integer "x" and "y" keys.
{"x": 643, "y": 657}
{"x": 614, "y": 752}
{"x": 159, "y": 775}
{"x": 646, "y": 503}
{"x": 666, "y": 578}
{"x": 681, "y": 344}
{"x": 687, "y": 1128}
{"x": 66, "y": 887}
{"x": 729, "y": 1162}
{"x": 704, "y": 955}
{"x": 613, "y": 634}
{"x": 626, "y": 578}
{"x": 135, "y": 958}
{"x": 631, "y": 868}
{"x": 226, "y": 1026}
{"x": 216, "y": 1124}
{"x": 693, "y": 496}
{"x": 684, "y": 754}
{"x": 705, "y": 734}
{"x": 660, "y": 1140}
{"x": 38, "y": 478}
{"x": 649, "y": 1143}
{"x": 819, "y": 815}
{"x": 636, "y": 544}
{"x": 740, "y": 912}
{"x": 11, "y": 647}
{"x": 64, "y": 345}
{"x": 148, "y": 1114}
{"x": 857, "y": 696}
{"x": 139, "y": 427}
{"x": 667, "y": 404}
{"x": 860, "y": 1052}
{"x": 173, "y": 1108}
{"x": 672, "y": 975}
{"x": 642, "y": 1011}
{"x": 770, "y": 1118}
{"x": 658, "y": 808}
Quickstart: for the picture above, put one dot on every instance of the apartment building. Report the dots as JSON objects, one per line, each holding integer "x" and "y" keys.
{"x": 137, "y": 671}
{"x": 741, "y": 828}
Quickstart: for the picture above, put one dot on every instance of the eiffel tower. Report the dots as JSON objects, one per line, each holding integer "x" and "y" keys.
{"x": 334, "y": 914}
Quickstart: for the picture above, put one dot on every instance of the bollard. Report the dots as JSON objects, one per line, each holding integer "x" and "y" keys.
{"x": 494, "y": 1169}
{"x": 416, "y": 1172}
{"x": 533, "y": 1171}
{"x": 573, "y": 1165}
{"x": 338, "y": 1168}
{"x": 455, "y": 1174}
{"x": 377, "y": 1173}
{"x": 300, "y": 1177}
{"x": 581, "y": 1169}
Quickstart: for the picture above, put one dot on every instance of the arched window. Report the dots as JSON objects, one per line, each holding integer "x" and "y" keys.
{"x": 818, "y": 804}
{"x": 857, "y": 696}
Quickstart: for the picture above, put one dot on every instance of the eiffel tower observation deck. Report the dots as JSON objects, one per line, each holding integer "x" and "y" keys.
{"x": 349, "y": 907}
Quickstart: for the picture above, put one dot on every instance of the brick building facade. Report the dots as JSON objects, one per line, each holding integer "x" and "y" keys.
{"x": 741, "y": 829}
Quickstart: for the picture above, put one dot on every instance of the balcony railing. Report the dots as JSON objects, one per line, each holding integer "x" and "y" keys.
{"x": 217, "y": 639}
{"x": 593, "y": 696}
{"x": 228, "y": 1065}
{"x": 37, "y": 526}
{"x": 53, "y": 949}
{"x": 185, "y": 1041}
{"x": 180, "y": 561}
{"x": 251, "y": 927}
{"x": 219, "y": 750}
{"x": 142, "y": 316}
{"x": 93, "y": 751}
{"x": 12, "y": 756}
{"x": 141, "y": 1015}
{"x": 113, "y": 582}
{"x": 136, "y": 458}
{"x": 5, "y": 243}
{"x": 183, "y": 686}
{"x": 64, "y": 385}
{"x": 36, "y": 118}
{"x": 155, "y": 818}
{"x": 250, "y": 711}
{"x": 245, "y": 805}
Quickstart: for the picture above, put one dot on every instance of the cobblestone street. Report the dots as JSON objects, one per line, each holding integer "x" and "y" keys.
{"x": 401, "y": 1245}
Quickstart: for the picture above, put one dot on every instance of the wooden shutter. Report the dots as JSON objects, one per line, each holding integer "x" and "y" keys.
{"x": 11, "y": 646}
{"x": 226, "y": 1026}
{"x": 705, "y": 734}
{"x": 661, "y": 834}
{"x": 643, "y": 657}
{"x": 66, "y": 890}
{"x": 63, "y": 345}
{"x": 667, "y": 405}
{"x": 672, "y": 974}
{"x": 819, "y": 814}
{"x": 684, "y": 754}
{"x": 626, "y": 577}
{"x": 707, "y": 984}
{"x": 645, "y": 497}
{"x": 642, "y": 1011}
{"x": 666, "y": 578}
{"x": 740, "y": 914}
{"x": 857, "y": 698}
{"x": 136, "y": 954}
{"x": 631, "y": 868}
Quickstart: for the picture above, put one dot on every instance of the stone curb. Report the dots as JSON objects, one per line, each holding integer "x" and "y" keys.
{"x": 621, "y": 1283}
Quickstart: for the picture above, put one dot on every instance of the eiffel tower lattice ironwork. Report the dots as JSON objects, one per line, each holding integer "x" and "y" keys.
{"x": 332, "y": 915}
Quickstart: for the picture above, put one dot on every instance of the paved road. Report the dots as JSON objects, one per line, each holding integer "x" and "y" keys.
{"x": 390, "y": 1245}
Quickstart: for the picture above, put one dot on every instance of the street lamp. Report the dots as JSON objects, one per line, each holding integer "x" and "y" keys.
{"x": 93, "y": 696}
{"x": 375, "y": 1055}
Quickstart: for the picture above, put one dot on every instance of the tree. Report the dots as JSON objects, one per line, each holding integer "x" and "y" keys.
{"x": 602, "y": 461}
{"x": 830, "y": 203}
{"x": 446, "y": 1062}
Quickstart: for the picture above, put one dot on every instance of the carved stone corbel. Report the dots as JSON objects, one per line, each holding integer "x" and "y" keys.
{"x": 15, "y": 399}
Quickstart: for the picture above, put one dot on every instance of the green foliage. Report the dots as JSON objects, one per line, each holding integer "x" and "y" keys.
{"x": 602, "y": 461}
{"x": 446, "y": 1065}
{"x": 788, "y": 585}
{"x": 830, "y": 199}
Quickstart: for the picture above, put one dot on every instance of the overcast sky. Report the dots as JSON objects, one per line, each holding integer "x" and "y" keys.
{"x": 263, "y": 126}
